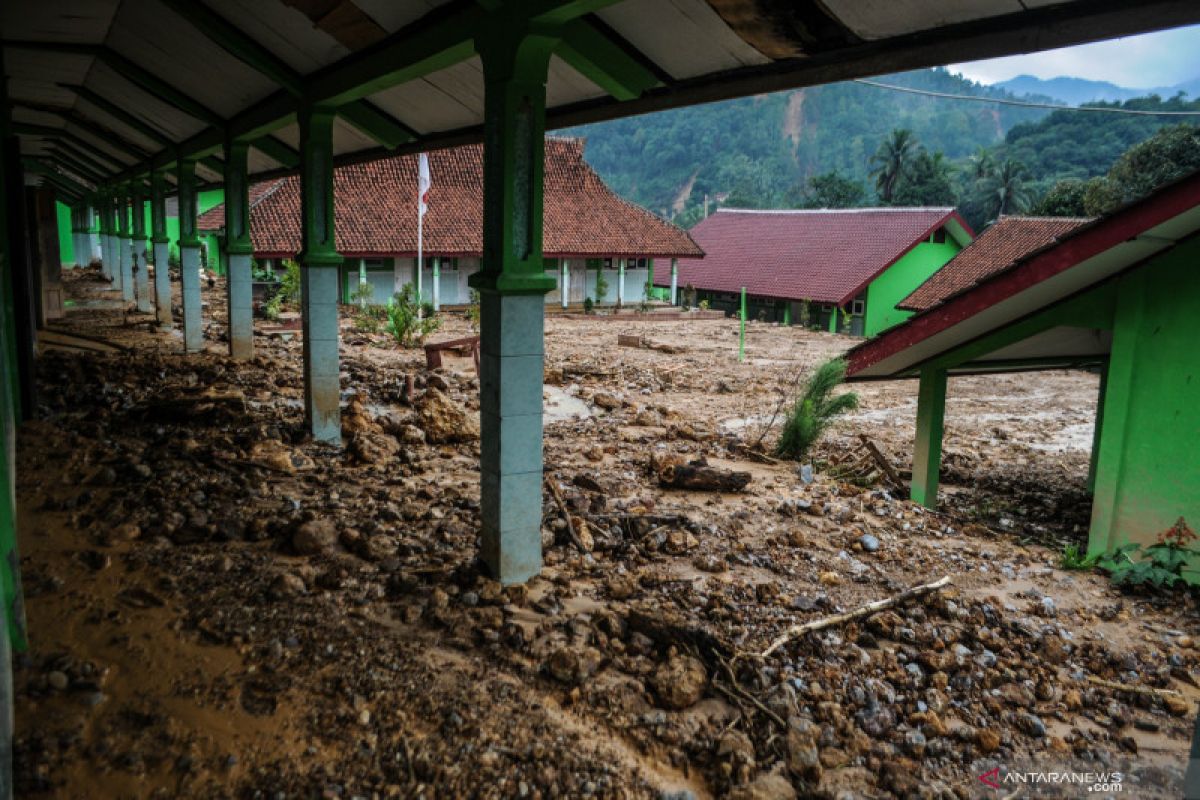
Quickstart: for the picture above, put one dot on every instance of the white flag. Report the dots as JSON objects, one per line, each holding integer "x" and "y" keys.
{"x": 423, "y": 183}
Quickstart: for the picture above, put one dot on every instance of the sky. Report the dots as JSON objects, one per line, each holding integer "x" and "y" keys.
{"x": 1151, "y": 60}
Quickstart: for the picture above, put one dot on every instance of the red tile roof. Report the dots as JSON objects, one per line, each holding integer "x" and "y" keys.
{"x": 825, "y": 255}
{"x": 214, "y": 218}
{"x": 996, "y": 249}
{"x": 376, "y": 210}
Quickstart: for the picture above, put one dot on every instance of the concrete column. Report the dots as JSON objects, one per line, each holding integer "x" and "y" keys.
{"x": 93, "y": 236}
{"x": 512, "y": 283}
{"x": 125, "y": 244}
{"x": 1098, "y": 429}
{"x": 927, "y": 454}
{"x": 319, "y": 263}
{"x": 189, "y": 259}
{"x": 564, "y": 281}
{"x": 620, "y": 283}
{"x": 437, "y": 289}
{"x": 238, "y": 250}
{"x": 49, "y": 259}
{"x": 141, "y": 267}
{"x": 674, "y": 280}
{"x": 162, "y": 249}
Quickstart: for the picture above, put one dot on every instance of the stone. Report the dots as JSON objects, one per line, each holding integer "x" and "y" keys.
{"x": 1176, "y": 705}
{"x": 573, "y": 665}
{"x": 1032, "y": 725}
{"x": 58, "y": 680}
{"x": 680, "y": 681}
{"x": 315, "y": 537}
{"x": 830, "y": 579}
{"x": 987, "y": 740}
{"x": 607, "y": 401}
{"x": 278, "y": 457}
{"x": 771, "y": 786}
{"x": 370, "y": 447}
{"x": 803, "y": 756}
{"x": 868, "y": 543}
{"x": 445, "y": 421}
{"x": 914, "y": 743}
{"x": 288, "y": 585}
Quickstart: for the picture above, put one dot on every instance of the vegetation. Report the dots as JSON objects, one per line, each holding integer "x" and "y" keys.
{"x": 370, "y": 318}
{"x": 1161, "y": 565}
{"x": 405, "y": 320}
{"x": 601, "y": 286}
{"x": 892, "y": 162}
{"x": 831, "y": 190}
{"x": 473, "y": 310}
{"x": 815, "y": 409}
{"x": 589, "y": 305}
{"x": 362, "y": 294}
{"x": 262, "y": 273}
{"x": 1072, "y": 558}
{"x": 287, "y": 294}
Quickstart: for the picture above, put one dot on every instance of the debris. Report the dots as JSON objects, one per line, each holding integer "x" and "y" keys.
{"x": 680, "y": 681}
{"x": 1126, "y": 687}
{"x": 858, "y": 613}
{"x": 445, "y": 421}
{"x": 632, "y": 340}
{"x": 698, "y": 475}
{"x": 576, "y": 540}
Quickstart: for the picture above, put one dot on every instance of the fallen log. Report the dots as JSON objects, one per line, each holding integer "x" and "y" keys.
{"x": 1127, "y": 687}
{"x": 862, "y": 611}
{"x": 576, "y": 539}
{"x": 700, "y": 476}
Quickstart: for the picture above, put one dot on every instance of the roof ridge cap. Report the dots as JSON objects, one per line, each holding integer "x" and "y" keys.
{"x": 857, "y": 210}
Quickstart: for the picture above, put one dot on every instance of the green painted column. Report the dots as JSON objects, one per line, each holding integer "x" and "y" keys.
{"x": 161, "y": 243}
{"x": 742, "y": 327}
{"x": 512, "y": 284}
{"x": 138, "y": 244}
{"x": 833, "y": 320}
{"x": 674, "y": 281}
{"x": 787, "y": 313}
{"x": 1098, "y": 430}
{"x": 319, "y": 266}
{"x": 437, "y": 288}
{"x": 124, "y": 242}
{"x": 564, "y": 282}
{"x": 238, "y": 250}
{"x": 620, "y": 283}
{"x": 189, "y": 259}
{"x": 927, "y": 452}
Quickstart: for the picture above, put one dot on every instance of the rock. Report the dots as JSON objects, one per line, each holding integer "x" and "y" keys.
{"x": 1176, "y": 705}
{"x": 445, "y": 421}
{"x": 914, "y": 743}
{"x": 1073, "y": 700}
{"x": 315, "y": 537}
{"x": 987, "y": 740}
{"x": 370, "y": 447}
{"x": 646, "y": 419}
{"x": 680, "y": 681}
{"x": 868, "y": 543}
{"x": 606, "y": 401}
{"x": 278, "y": 457}
{"x": 806, "y": 474}
{"x": 288, "y": 585}
{"x": 58, "y": 680}
{"x": 803, "y": 756}
{"x": 573, "y": 665}
{"x": 830, "y": 579}
{"x": 1032, "y": 725}
{"x": 772, "y": 786}
{"x": 1018, "y": 695}
{"x": 438, "y": 382}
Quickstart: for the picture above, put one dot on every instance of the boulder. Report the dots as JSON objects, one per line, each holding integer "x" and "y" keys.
{"x": 444, "y": 420}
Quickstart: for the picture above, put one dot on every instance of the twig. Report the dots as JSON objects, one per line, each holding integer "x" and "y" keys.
{"x": 1125, "y": 687}
{"x": 552, "y": 484}
{"x": 862, "y": 611}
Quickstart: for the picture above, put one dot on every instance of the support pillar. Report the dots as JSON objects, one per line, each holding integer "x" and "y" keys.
{"x": 189, "y": 259}
{"x": 564, "y": 283}
{"x": 362, "y": 280}
{"x": 512, "y": 284}
{"x": 238, "y": 250}
{"x": 141, "y": 269}
{"x": 125, "y": 243}
{"x": 674, "y": 280}
{"x": 49, "y": 260}
{"x": 927, "y": 453}
{"x": 93, "y": 234}
{"x": 319, "y": 264}
{"x": 104, "y": 212}
{"x": 1097, "y": 430}
{"x": 620, "y": 283}
{"x": 437, "y": 278}
{"x": 162, "y": 249}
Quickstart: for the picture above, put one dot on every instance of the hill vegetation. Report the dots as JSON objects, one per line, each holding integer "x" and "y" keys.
{"x": 853, "y": 144}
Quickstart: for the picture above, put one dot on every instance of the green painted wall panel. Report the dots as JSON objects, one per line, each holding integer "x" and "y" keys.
{"x": 899, "y": 281}
{"x": 1148, "y": 471}
{"x": 66, "y": 242}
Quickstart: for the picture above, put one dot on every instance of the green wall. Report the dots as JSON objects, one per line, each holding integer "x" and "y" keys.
{"x": 899, "y": 281}
{"x": 66, "y": 242}
{"x": 1148, "y": 470}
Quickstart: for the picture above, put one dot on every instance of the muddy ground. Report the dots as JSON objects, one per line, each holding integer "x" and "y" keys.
{"x": 219, "y": 607}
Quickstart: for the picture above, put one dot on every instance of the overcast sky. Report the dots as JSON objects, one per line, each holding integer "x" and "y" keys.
{"x": 1138, "y": 62}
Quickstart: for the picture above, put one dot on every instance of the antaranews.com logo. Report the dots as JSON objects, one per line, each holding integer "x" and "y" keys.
{"x": 1107, "y": 782}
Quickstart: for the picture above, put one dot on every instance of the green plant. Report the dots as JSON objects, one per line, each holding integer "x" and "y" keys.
{"x": 370, "y": 318}
{"x": 287, "y": 293}
{"x": 1160, "y": 565}
{"x": 261, "y": 273}
{"x": 845, "y": 315}
{"x": 1074, "y": 558}
{"x": 601, "y": 286}
{"x": 815, "y": 409}
{"x": 703, "y": 306}
{"x": 589, "y": 305}
{"x": 805, "y": 313}
{"x": 473, "y": 310}
{"x": 362, "y": 294}
{"x": 404, "y": 321}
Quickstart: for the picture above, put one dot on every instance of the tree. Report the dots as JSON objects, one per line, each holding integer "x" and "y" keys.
{"x": 1004, "y": 192}
{"x": 831, "y": 190}
{"x": 815, "y": 409}
{"x": 1169, "y": 154}
{"x": 891, "y": 162}
{"x": 927, "y": 182}
{"x": 981, "y": 164}
{"x": 1064, "y": 199}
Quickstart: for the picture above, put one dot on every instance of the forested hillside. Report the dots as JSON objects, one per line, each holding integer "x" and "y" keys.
{"x": 853, "y": 144}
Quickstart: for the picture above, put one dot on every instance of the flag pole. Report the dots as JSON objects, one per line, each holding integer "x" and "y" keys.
{"x": 420, "y": 252}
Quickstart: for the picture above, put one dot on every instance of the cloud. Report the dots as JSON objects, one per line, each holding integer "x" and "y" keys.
{"x": 1147, "y": 61}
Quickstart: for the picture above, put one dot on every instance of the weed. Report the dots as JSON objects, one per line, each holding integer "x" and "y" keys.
{"x": 473, "y": 310}
{"x": 601, "y": 286}
{"x": 815, "y": 409}
{"x": 1074, "y": 558}
{"x": 1160, "y": 565}
{"x": 404, "y": 322}
{"x": 589, "y": 305}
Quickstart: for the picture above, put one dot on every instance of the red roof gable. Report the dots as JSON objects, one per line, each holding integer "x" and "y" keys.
{"x": 376, "y": 210}
{"x": 214, "y": 218}
{"x": 825, "y": 255}
{"x": 997, "y": 248}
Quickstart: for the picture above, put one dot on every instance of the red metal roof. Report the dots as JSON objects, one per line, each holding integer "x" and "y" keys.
{"x": 376, "y": 210}
{"x": 996, "y": 249}
{"x": 825, "y": 255}
{"x": 1089, "y": 253}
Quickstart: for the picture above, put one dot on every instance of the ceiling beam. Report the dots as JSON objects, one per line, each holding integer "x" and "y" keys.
{"x": 54, "y": 176}
{"x": 69, "y": 146}
{"x": 50, "y": 132}
{"x": 377, "y": 124}
{"x": 604, "y": 61}
{"x": 274, "y": 149}
{"x": 116, "y": 112}
{"x": 103, "y": 132}
{"x": 77, "y": 166}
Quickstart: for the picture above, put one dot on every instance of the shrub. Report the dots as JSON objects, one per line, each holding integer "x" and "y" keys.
{"x": 370, "y": 318}
{"x": 362, "y": 294}
{"x": 703, "y": 306}
{"x": 262, "y": 273}
{"x": 589, "y": 305}
{"x": 1074, "y": 558}
{"x": 404, "y": 322}
{"x": 601, "y": 286}
{"x": 1160, "y": 565}
{"x": 815, "y": 409}
{"x": 287, "y": 293}
{"x": 473, "y": 310}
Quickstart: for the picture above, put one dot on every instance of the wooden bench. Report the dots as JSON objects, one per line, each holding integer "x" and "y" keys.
{"x": 468, "y": 345}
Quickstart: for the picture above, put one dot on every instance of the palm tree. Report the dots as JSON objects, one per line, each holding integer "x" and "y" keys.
{"x": 1006, "y": 186}
{"x": 983, "y": 163}
{"x": 892, "y": 161}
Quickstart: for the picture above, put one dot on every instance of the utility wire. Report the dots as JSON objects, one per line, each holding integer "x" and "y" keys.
{"x": 1029, "y": 104}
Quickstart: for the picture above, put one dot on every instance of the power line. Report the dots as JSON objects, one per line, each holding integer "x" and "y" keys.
{"x": 1028, "y": 104}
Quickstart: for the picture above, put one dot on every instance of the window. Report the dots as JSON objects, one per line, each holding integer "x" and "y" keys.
{"x": 827, "y": 307}
{"x": 857, "y": 308}
{"x": 939, "y": 236}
